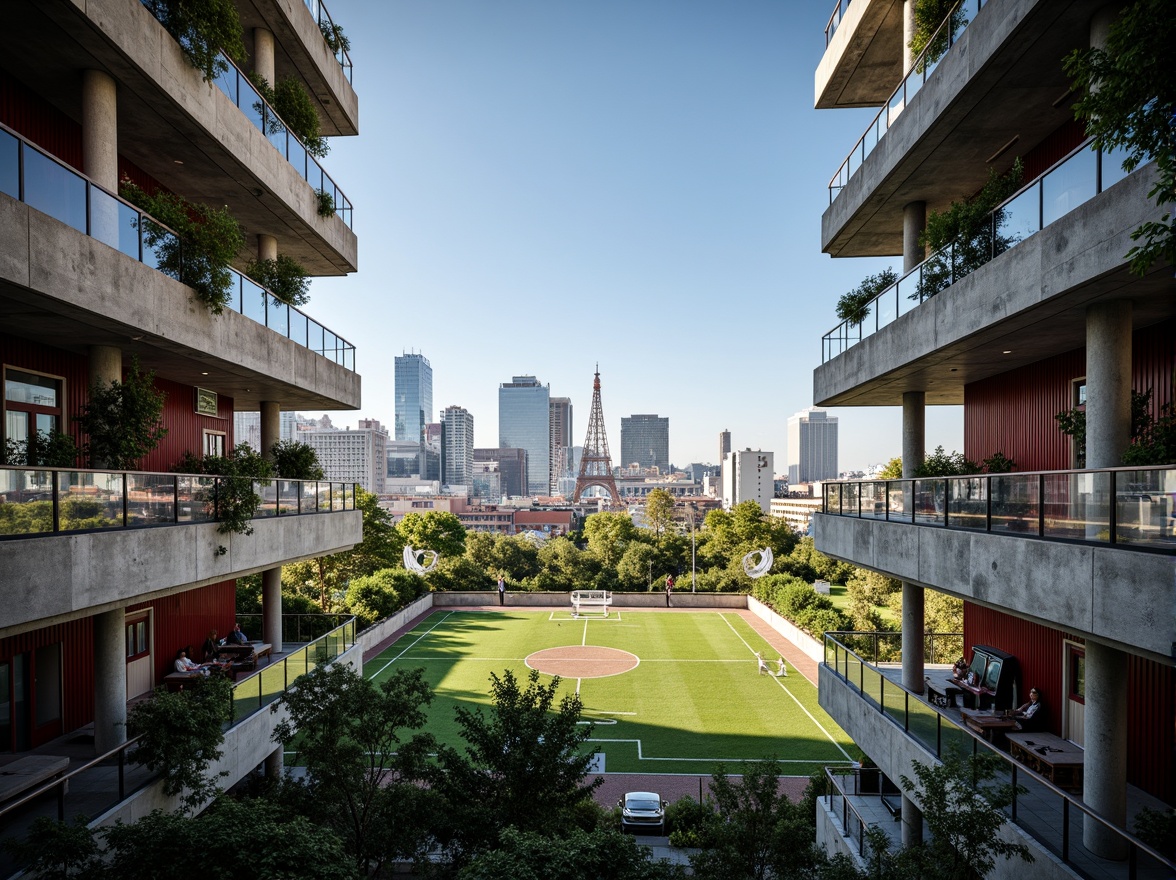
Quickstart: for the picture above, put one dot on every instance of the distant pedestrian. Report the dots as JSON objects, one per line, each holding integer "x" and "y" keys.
{"x": 781, "y": 668}
{"x": 669, "y": 588}
{"x": 501, "y": 591}
{"x": 763, "y": 667}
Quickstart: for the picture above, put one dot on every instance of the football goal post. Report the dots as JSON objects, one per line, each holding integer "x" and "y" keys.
{"x": 585, "y": 602}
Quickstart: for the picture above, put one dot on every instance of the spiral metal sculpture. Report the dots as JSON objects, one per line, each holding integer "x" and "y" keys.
{"x": 758, "y": 569}
{"x": 413, "y": 560}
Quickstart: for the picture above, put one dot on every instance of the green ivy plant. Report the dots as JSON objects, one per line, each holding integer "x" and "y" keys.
{"x": 854, "y": 306}
{"x": 285, "y": 277}
{"x": 123, "y": 421}
{"x": 204, "y": 242}
{"x": 968, "y": 225}
{"x": 292, "y": 103}
{"x": 326, "y": 203}
{"x": 204, "y": 30}
{"x": 233, "y": 498}
{"x": 929, "y": 15}
{"x": 336, "y": 39}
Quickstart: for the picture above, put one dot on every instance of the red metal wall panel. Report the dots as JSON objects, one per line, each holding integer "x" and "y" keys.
{"x": 39, "y": 121}
{"x": 184, "y": 426}
{"x": 1151, "y": 691}
{"x": 1014, "y": 412}
{"x": 1052, "y": 149}
{"x": 186, "y": 618}
{"x": 73, "y": 368}
{"x": 77, "y": 667}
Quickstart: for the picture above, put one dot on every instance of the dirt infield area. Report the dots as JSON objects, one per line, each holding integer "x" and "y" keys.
{"x": 582, "y": 661}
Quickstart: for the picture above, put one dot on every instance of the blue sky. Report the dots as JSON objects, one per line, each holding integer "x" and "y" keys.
{"x": 541, "y": 186}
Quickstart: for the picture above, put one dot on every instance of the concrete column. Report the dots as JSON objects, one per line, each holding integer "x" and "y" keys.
{"x": 1108, "y": 382}
{"x": 914, "y": 221}
{"x": 1104, "y": 782}
{"x": 274, "y": 763}
{"x": 110, "y": 681}
{"x": 914, "y": 431}
{"x": 912, "y": 823}
{"x": 267, "y": 247}
{"x": 913, "y": 446}
{"x": 908, "y": 34}
{"x": 100, "y": 128}
{"x": 1100, "y": 25}
{"x": 271, "y": 426}
{"x": 263, "y": 54}
{"x": 271, "y": 608}
{"x": 105, "y": 364}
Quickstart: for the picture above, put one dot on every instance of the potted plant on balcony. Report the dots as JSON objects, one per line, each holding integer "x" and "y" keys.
{"x": 854, "y": 306}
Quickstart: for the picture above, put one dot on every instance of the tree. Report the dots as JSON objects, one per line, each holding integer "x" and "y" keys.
{"x": 635, "y": 569}
{"x": 57, "y": 850}
{"x": 892, "y": 470}
{"x": 373, "y": 597}
{"x": 524, "y": 765}
{"x": 580, "y": 855}
{"x": 233, "y": 498}
{"x": 1128, "y": 99}
{"x": 514, "y": 557}
{"x": 943, "y": 464}
{"x": 608, "y": 534}
{"x": 350, "y": 736}
{"x": 866, "y": 591}
{"x": 437, "y": 530}
{"x": 659, "y": 512}
{"x": 123, "y": 420}
{"x": 563, "y": 566}
{"x": 294, "y": 460}
{"x": 182, "y": 735}
{"x": 854, "y": 306}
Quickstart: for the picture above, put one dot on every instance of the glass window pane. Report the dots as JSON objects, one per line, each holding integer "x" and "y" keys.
{"x": 1069, "y": 185}
{"x": 275, "y": 131}
{"x": 227, "y": 83}
{"x": 9, "y": 165}
{"x": 1015, "y": 503}
{"x": 253, "y": 298}
{"x": 1112, "y": 167}
{"x": 968, "y": 503}
{"x": 297, "y": 157}
{"x": 279, "y": 316}
{"x": 26, "y": 502}
{"x": 1145, "y": 507}
{"x": 1017, "y": 219}
{"x": 161, "y": 248}
{"x": 252, "y": 106}
{"x": 89, "y": 500}
{"x": 55, "y": 190}
{"x": 150, "y": 499}
{"x": 298, "y": 327}
{"x": 21, "y": 387}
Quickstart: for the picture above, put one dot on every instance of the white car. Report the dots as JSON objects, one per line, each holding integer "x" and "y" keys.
{"x": 642, "y": 809}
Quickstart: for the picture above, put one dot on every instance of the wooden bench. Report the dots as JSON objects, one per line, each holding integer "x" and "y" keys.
{"x": 1057, "y": 759}
{"x": 29, "y": 772}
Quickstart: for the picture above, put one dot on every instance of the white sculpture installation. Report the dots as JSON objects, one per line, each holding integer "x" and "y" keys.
{"x": 414, "y": 560}
{"x": 758, "y": 569}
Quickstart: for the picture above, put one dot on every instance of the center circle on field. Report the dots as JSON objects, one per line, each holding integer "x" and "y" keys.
{"x": 582, "y": 661}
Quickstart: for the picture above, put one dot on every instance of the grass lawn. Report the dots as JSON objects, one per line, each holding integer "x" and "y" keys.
{"x": 692, "y": 699}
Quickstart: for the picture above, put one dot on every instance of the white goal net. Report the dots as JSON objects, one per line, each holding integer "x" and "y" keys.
{"x": 585, "y": 602}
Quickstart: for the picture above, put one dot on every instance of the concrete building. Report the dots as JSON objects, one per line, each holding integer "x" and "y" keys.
{"x": 457, "y": 446}
{"x": 355, "y": 456}
{"x": 90, "y": 95}
{"x": 561, "y": 442}
{"x": 645, "y": 441}
{"x": 512, "y": 468}
{"x": 524, "y": 422}
{"x": 812, "y": 446}
{"x": 1063, "y": 567}
{"x": 487, "y": 482}
{"x": 247, "y": 428}
{"x": 747, "y": 476}
{"x": 797, "y": 512}
{"x": 413, "y": 377}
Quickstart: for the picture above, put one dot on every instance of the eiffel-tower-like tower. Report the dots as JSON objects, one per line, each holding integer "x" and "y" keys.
{"x": 596, "y": 464}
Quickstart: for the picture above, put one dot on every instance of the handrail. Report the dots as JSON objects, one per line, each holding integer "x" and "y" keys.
{"x": 49, "y": 500}
{"x": 101, "y": 214}
{"x": 943, "y": 268}
{"x": 903, "y": 717}
{"x": 341, "y": 54}
{"x": 922, "y": 67}
{"x": 1123, "y": 507}
{"x": 847, "y": 806}
{"x": 835, "y": 17}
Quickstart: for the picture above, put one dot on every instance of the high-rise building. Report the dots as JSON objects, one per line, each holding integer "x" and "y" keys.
{"x": 355, "y": 456}
{"x": 414, "y": 396}
{"x": 247, "y": 428}
{"x": 524, "y": 422}
{"x": 92, "y": 96}
{"x": 561, "y": 441}
{"x": 512, "y": 468}
{"x": 724, "y": 446}
{"x": 1065, "y": 567}
{"x": 747, "y": 476}
{"x": 457, "y": 446}
{"x": 645, "y": 442}
{"x": 812, "y": 446}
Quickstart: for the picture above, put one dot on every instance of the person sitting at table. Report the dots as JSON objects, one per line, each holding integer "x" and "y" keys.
{"x": 210, "y": 648}
{"x": 236, "y": 637}
{"x": 960, "y": 669}
{"x": 186, "y": 664}
{"x": 1031, "y": 715}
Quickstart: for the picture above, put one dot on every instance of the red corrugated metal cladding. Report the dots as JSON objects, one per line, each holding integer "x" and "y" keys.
{"x": 1014, "y": 412}
{"x": 1151, "y": 691}
{"x": 185, "y": 428}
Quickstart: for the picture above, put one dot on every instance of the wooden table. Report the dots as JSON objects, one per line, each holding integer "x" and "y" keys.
{"x": 942, "y": 689}
{"x": 991, "y": 727}
{"x": 24, "y": 773}
{"x": 1057, "y": 759}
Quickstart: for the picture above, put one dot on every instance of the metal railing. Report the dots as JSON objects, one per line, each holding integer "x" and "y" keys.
{"x": 1069, "y": 183}
{"x": 853, "y": 823}
{"x": 46, "y": 501}
{"x": 941, "y": 736}
{"x": 42, "y": 181}
{"x": 835, "y": 19}
{"x": 1129, "y": 508}
{"x": 922, "y": 68}
{"x": 323, "y": 19}
{"x": 240, "y": 91}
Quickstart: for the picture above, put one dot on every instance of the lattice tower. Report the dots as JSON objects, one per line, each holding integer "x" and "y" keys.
{"x": 596, "y": 464}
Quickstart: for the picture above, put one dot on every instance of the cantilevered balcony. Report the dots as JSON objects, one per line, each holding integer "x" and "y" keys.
{"x": 1092, "y": 552}
{"x": 863, "y": 54}
{"x": 80, "y": 266}
{"x": 1013, "y": 296}
{"x": 77, "y": 542}
{"x": 996, "y": 93}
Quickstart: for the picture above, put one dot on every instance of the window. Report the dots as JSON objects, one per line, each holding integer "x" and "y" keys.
{"x": 214, "y": 443}
{"x": 32, "y": 405}
{"x": 1078, "y": 676}
{"x": 137, "y": 642}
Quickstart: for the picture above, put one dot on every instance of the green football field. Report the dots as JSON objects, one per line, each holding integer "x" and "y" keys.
{"x": 692, "y": 698}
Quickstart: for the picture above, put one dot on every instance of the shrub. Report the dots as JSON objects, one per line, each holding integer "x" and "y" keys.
{"x": 233, "y": 498}
{"x": 296, "y": 461}
{"x": 690, "y": 823}
{"x": 293, "y": 105}
{"x": 854, "y": 306}
{"x": 326, "y": 203}
{"x": 285, "y": 277}
{"x": 123, "y": 420}
{"x": 333, "y": 34}
{"x": 203, "y": 30}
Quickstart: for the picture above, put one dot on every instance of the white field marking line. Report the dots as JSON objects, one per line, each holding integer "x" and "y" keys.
{"x": 578, "y": 686}
{"x": 583, "y": 643}
{"x": 641, "y": 757}
{"x": 784, "y": 687}
{"x": 413, "y": 645}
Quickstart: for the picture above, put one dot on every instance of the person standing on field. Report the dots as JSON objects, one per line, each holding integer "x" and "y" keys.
{"x": 669, "y": 588}
{"x": 501, "y": 591}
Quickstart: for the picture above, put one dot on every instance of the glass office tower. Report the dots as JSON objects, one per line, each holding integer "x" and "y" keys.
{"x": 524, "y": 420}
{"x": 414, "y": 396}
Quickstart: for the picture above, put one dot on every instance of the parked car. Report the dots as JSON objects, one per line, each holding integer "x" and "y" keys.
{"x": 642, "y": 809}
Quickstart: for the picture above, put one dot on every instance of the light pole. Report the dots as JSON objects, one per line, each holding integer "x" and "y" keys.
{"x": 693, "y": 510}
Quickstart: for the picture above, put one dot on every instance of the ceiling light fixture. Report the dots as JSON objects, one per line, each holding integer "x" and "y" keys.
{"x": 178, "y": 161}
{"x": 1007, "y": 351}
{"x": 204, "y": 373}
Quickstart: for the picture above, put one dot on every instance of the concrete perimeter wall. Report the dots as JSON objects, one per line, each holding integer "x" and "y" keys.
{"x": 377, "y": 632}
{"x": 564, "y": 600}
{"x": 788, "y": 629}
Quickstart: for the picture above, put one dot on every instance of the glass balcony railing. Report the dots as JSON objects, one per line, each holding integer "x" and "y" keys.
{"x": 240, "y": 91}
{"x": 48, "y": 501}
{"x": 835, "y": 19}
{"x": 1129, "y": 508}
{"x": 1053, "y": 817}
{"x": 42, "y": 181}
{"x": 326, "y": 24}
{"x": 943, "y": 39}
{"x": 1073, "y": 181}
